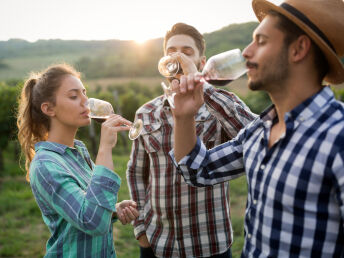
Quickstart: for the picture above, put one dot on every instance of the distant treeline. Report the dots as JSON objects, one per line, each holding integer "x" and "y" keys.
{"x": 117, "y": 58}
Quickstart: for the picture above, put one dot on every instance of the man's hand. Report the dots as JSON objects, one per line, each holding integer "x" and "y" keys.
{"x": 189, "y": 96}
{"x": 187, "y": 65}
{"x": 143, "y": 241}
{"x": 187, "y": 101}
{"x": 126, "y": 211}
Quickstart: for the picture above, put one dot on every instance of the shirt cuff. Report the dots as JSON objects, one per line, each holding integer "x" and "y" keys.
{"x": 104, "y": 187}
{"x": 208, "y": 88}
{"x": 139, "y": 230}
{"x": 195, "y": 159}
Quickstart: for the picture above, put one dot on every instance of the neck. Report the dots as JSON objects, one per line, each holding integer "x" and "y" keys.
{"x": 292, "y": 93}
{"x": 62, "y": 135}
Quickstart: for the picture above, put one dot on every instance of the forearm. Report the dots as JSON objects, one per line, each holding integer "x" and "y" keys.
{"x": 104, "y": 157}
{"x": 184, "y": 136}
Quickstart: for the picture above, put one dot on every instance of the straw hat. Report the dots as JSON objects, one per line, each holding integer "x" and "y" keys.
{"x": 321, "y": 20}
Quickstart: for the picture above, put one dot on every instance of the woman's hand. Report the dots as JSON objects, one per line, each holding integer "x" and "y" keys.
{"x": 126, "y": 211}
{"x": 112, "y": 125}
{"x": 108, "y": 139}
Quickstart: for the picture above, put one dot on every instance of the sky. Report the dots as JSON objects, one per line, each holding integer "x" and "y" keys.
{"x": 115, "y": 19}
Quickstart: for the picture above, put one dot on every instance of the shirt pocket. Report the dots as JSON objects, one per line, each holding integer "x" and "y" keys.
{"x": 152, "y": 137}
{"x": 207, "y": 129}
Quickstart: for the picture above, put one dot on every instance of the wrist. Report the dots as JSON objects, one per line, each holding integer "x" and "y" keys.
{"x": 185, "y": 122}
{"x": 183, "y": 118}
{"x": 143, "y": 241}
{"x": 104, "y": 148}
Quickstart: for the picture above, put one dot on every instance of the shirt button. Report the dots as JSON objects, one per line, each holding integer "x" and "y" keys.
{"x": 249, "y": 236}
{"x": 254, "y": 202}
{"x": 262, "y": 166}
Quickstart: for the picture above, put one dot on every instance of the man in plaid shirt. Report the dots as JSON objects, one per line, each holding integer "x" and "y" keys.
{"x": 177, "y": 220}
{"x": 293, "y": 154}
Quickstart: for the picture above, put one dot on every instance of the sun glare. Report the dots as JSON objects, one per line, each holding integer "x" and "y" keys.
{"x": 140, "y": 41}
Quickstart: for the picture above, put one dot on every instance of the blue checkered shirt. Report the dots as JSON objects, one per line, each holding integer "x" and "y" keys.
{"x": 295, "y": 205}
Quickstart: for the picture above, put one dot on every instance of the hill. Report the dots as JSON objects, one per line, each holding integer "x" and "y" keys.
{"x": 108, "y": 58}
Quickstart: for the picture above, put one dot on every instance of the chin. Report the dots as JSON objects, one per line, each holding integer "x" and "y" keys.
{"x": 86, "y": 122}
{"x": 255, "y": 85}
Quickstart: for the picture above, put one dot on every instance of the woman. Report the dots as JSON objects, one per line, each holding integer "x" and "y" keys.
{"x": 77, "y": 198}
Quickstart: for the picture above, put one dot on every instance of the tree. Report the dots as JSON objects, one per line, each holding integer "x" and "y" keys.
{"x": 8, "y": 103}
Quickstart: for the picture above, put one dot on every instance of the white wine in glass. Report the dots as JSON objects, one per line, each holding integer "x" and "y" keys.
{"x": 100, "y": 110}
{"x": 219, "y": 70}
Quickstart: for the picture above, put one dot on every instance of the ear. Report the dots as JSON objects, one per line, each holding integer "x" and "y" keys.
{"x": 202, "y": 62}
{"x": 48, "y": 109}
{"x": 300, "y": 48}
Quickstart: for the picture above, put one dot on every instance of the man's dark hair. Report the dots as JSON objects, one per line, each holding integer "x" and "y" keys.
{"x": 292, "y": 32}
{"x": 185, "y": 29}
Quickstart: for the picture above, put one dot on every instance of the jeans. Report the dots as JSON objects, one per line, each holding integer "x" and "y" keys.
{"x": 147, "y": 252}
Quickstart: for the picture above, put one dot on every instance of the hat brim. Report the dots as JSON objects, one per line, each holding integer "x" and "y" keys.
{"x": 336, "y": 71}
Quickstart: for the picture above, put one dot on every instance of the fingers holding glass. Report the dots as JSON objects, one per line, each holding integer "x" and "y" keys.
{"x": 101, "y": 110}
{"x": 219, "y": 70}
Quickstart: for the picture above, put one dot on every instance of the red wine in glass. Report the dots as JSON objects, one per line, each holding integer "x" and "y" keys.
{"x": 99, "y": 119}
{"x": 218, "y": 82}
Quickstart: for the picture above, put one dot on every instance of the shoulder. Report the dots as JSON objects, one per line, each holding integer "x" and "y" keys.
{"x": 333, "y": 115}
{"x": 335, "y": 121}
{"x": 149, "y": 113}
{"x": 221, "y": 93}
{"x": 47, "y": 163}
{"x": 151, "y": 106}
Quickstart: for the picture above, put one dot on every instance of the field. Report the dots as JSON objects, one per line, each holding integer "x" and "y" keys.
{"x": 22, "y": 66}
{"x": 23, "y": 233}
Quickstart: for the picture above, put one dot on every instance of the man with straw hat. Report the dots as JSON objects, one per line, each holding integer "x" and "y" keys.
{"x": 293, "y": 154}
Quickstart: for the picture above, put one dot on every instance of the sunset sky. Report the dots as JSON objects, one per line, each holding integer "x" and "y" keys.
{"x": 115, "y": 19}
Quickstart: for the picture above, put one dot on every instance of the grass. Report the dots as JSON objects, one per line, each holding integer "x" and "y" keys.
{"x": 23, "y": 233}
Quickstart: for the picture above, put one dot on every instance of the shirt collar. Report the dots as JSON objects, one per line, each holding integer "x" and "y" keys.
{"x": 305, "y": 110}
{"x": 57, "y": 147}
{"x": 311, "y": 106}
{"x": 165, "y": 102}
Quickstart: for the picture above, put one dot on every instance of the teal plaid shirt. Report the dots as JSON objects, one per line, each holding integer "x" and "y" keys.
{"x": 76, "y": 198}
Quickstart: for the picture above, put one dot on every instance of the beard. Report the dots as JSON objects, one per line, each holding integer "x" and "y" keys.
{"x": 273, "y": 73}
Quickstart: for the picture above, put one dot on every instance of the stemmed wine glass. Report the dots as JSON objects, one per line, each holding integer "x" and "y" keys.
{"x": 100, "y": 110}
{"x": 219, "y": 70}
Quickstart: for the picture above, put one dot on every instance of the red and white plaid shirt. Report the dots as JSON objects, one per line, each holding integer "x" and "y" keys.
{"x": 180, "y": 220}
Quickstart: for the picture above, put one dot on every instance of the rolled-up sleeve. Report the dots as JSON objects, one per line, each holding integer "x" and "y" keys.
{"x": 202, "y": 167}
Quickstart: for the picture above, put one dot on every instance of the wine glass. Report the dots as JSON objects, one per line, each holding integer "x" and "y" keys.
{"x": 168, "y": 66}
{"x": 219, "y": 70}
{"x": 100, "y": 110}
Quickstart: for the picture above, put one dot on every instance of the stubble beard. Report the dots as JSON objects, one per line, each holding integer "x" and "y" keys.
{"x": 273, "y": 74}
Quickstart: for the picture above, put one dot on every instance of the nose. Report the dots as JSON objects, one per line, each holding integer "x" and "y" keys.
{"x": 85, "y": 100}
{"x": 247, "y": 52}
